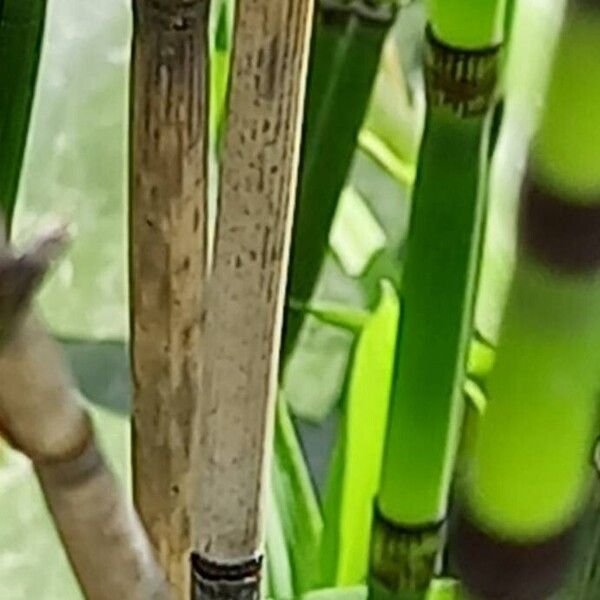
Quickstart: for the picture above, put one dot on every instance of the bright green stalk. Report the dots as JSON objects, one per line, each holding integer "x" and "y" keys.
{"x": 468, "y": 25}
{"x": 21, "y": 32}
{"x": 220, "y": 57}
{"x": 347, "y": 45}
{"x": 438, "y": 287}
{"x": 511, "y": 8}
{"x": 354, "y": 471}
{"x": 442, "y": 255}
{"x": 530, "y": 471}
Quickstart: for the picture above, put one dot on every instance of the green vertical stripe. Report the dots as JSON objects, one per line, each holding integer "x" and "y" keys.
{"x": 437, "y": 299}
{"x": 21, "y": 30}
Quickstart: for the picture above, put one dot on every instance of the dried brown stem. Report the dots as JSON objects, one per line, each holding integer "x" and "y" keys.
{"x": 41, "y": 415}
{"x": 246, "y": 288}
{"x": 167, "y": 221}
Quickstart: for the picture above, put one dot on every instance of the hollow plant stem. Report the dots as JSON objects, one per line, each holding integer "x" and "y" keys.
{"x": 437, "y": 296}
{"x": 168, "y": 254}
{"x": 21, "y": 33}
{"x": 530, "y": 470}
{"x": 244, "y": 302}
{"x": 346, "y": 51}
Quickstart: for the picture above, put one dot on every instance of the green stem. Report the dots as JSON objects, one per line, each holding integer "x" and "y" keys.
{"x": 21, "y": 32}
{"x": 530, "y": 469}
{"x": 442, "y": 254}
{"x": 346, "y": 51}
{"x": 468, "y": 25}
{"x": 431, "y": 354}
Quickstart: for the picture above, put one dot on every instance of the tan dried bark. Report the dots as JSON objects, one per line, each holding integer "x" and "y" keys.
{"x": 246, "y": 287}
{"x": 41, "y": 415}
{"x": 167, "y": 237}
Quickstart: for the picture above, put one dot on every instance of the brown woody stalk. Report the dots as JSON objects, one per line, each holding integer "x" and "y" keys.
{"x": 246, "y": 288}
{"x": 41, "y": 415}
{"x": 167, "y": 223}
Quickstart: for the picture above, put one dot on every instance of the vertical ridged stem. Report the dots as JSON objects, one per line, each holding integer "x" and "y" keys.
{"x": 167, "y": 254}
{"x": 438, "y": 284}
{"x": 246, "y": 287}
{"x": 346, "y": 34}
{"x": 530, "y": 470}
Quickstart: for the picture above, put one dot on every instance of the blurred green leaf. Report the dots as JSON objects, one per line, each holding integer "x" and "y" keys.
{"x": 354, "y": 474}
{"x": 297, "y": 510}
{"x": 355, "y": 235}
{"x": 444, "y": 589}
{"x": 279, "y": 576}
{"x": 480, "y": 359}
{"x": 340, "y": 593}
{"x": 314, "y": 376}
{"x": 345, "y": 317}
{"x": 380, "y": 152}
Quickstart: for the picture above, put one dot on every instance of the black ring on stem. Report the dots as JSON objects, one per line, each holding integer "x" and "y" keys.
{"x": 461, "y": 79}
{"x": 213, "y": 580}
{"x": 404, "y": 558}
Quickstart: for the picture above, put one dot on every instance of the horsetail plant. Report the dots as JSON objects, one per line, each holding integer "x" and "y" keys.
{"x": 346, "y": 33}
{"x": 21, "y": 34}
{"x": 245, "y": 291}
{"x": 438, "y": 283}
{"x": 169, "y": 133}
{"x": 529, "y": 475}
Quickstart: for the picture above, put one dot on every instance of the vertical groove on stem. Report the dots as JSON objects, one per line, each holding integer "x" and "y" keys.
{"x": 246, "y": 287}
{"x": 167, "y": 254}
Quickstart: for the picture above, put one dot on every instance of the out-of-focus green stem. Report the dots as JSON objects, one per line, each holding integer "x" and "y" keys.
{"x": 347, "y": 45}
{"x": 468, "y": 24}
{"x": 21, "y": 32}
{"x": 530, "y": 469}
{"x": 511, "y": 7}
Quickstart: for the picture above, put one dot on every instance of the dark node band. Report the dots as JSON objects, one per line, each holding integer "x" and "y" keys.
{"x": 495, "y": 569}
{"x": 220, "y": 581}
{"x": 404, "y": 558}
{"x": 561, "y": 235}
{"x": 461, "y": 80}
